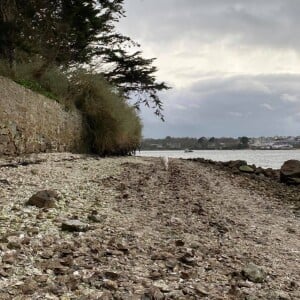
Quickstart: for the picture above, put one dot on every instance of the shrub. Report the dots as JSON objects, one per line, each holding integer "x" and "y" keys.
{"x": 113, "y": 126}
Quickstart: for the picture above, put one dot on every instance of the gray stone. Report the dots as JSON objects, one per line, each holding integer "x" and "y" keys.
{"x": 281, "y": 295}
{"x": 153, "y": 293}
{"x": 74, "y": 226}
{"x": 254, "y": 273}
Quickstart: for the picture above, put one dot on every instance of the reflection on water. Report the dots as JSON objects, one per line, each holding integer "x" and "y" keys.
{"x": 263, "y": 158}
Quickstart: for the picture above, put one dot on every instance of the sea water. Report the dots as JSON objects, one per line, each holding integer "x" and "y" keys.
{"x": 261, "y": 158}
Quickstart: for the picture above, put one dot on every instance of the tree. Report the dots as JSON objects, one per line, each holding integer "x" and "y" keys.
{"x": 76, "y": 33}
{"x": 244, "y": 141}
{"x": 134, "y": 75}
{"x": 8, "y": 29}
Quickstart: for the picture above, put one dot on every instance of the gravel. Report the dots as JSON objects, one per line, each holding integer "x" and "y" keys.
{"x": 188, "y": 232}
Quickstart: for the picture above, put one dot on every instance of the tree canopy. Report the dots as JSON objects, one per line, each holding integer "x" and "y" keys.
{"x": 76, "y": 33}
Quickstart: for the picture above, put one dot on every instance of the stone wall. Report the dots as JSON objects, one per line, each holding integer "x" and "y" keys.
{"x": 30, "y": 122}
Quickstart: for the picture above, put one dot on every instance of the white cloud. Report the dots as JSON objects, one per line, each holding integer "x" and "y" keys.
{"x": 235, "y": 114}
{"x": 267, "y": 106}
{"x": 180, "y": 107}
{"x": 290, "y": 98}
{"x": 234, "y": 65}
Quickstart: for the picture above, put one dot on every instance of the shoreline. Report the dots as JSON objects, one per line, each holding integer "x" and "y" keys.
{"x": 187, "y": 233}
{"x": 263, "y": 158}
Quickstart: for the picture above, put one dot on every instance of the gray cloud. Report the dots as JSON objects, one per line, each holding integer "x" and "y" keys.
{"x": 272, "y": 22}
{"x": 234, "y": 65}
{"x": 225, "y": 107}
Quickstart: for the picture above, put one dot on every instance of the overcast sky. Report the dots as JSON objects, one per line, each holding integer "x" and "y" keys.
{"x": 234, "y": 65}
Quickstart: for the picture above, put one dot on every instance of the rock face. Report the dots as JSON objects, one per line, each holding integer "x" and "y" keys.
{"x": 290, "y": 172}
{"x": 44, "y": 199}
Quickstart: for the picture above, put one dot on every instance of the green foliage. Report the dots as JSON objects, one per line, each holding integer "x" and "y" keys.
{"x": 202, "y": 143}
{"x": 54, "y": 84}
{"x": 36, "y": 87}
{"x": 244, "y": 142}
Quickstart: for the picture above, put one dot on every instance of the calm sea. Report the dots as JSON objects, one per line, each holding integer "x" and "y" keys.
{"x": 263, "y": 158}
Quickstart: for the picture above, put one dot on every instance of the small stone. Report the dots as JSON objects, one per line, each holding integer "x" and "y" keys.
{"x": 188, "y": 259}
{"x": 281, "y": 295}
{"x": 95, "y": 218}
{"x": 153, "y": 293}
{"x": 29, "y": 287}
{"x": 47, "y": 254}
{"x": 185, "y": 275}
{"x": 3, "y": 273}
{"x": 9, "y": 257}
{"x": 246, "y": 169}
{"x": 200, "y": 290}
{"x": 111, "y": 275}
{"x": 74, "y": 226}
{"x": 155, "y": 275}
{"x": 125, "y": 196}
{"x": 14, "y": 245}
{"x": 122, "y": 186}
{"x": 123, "y": 247}
{"x": 34, "y": 171}
{"x": 44, "y": 199}
{"x": 179, "y": 243}
{"x": 176, "y": 294}
{"x": 161, "y": 256}
{"x": 171, "y": 263}
{"x": 110, "y": 285}
{"x": 253, "y": 273}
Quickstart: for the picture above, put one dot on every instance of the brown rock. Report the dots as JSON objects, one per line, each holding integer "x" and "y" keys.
{"x": 161, "y": 256}
{"x": 153, "y": 293}
{"x": 44, "y": 199}
{"x": 110, "y": 285}
{"x": 111, "y": 275}
{"x": 29, "y": 287}
{"x": 290, "y": 172}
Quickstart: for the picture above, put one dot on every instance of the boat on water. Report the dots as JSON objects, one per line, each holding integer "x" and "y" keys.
{"x": 188, "y": 150}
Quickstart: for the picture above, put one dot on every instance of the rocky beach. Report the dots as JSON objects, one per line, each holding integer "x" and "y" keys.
{"x": 85, "y": 227}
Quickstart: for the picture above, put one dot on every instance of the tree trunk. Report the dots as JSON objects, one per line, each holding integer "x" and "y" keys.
{"x": 8, "y": 15}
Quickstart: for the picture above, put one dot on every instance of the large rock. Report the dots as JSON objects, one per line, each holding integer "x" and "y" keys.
{"x": 290, "y": 172}
{"x": 235, "y": 163}
{"x": 44, "y": 199}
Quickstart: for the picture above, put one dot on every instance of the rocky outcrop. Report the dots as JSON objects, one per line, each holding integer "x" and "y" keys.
{"x": 290, "y": 172}
{"x": 241, "y": 167}
{"x": 30, "y": 122}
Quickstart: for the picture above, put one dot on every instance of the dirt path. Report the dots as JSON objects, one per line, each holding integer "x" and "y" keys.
{"x": 186, "y": 233}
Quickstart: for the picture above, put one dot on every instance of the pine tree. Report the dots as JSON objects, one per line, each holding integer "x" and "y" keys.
{"x": 76, "y": 33}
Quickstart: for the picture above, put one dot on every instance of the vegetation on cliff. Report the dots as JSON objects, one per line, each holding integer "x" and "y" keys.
{"x": 43, "y": 44}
